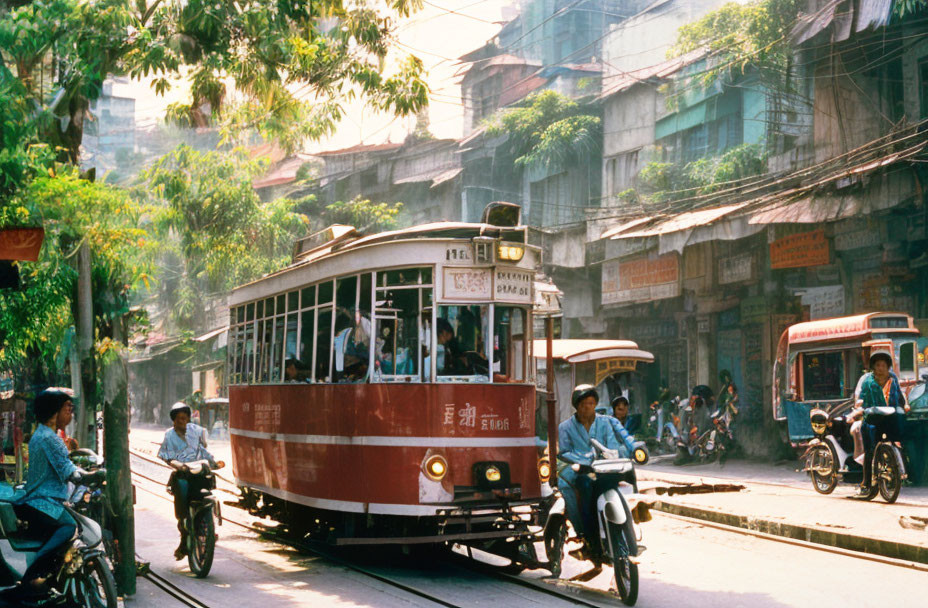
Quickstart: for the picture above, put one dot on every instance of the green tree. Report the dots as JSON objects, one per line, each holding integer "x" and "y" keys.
{"x": 210, "y": 219}
{"x": 366, "y": 216}
{"x": 291, "y": 65}
{"x": 549, "y": 129}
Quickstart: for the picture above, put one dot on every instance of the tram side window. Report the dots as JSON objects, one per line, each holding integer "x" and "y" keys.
{"x": 278, "y": 352}
{"x": 397, "y": 343}
{"x": 823, "y": 376}
{"x": 324, "y": 344}
{"x": 461, "y": 333}
{"x": 351, "y": 343}
{"x": 509, "y": 344}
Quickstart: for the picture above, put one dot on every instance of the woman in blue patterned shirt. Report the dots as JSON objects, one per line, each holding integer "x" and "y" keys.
{"x": 50, "y": 469}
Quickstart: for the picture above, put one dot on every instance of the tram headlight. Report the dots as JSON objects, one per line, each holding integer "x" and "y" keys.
{"x": 436, "y": 467}
{"x": 544, "y": 470}
{"x": 492, "y": 474}
{"x": 509, "y": 253}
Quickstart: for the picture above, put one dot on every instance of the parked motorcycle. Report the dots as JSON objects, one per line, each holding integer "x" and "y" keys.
{"x": 617, "y": 512}
{"x": 830, "y": 456}
{"x": 199, "y": 522}
{"x": 716, "y": 442}
{"x": 82, "y": 578}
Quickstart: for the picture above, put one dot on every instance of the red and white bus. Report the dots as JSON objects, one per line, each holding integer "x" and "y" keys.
{"x": 382, "y": 387}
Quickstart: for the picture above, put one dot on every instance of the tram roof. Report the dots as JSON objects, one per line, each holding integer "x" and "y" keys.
{"x": 578, "y": 351}
{"x": 346, "y": 238}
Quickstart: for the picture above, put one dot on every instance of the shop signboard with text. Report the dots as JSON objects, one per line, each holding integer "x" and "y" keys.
{"x": 800, "y": 250}
{"x": 641, "y": 279}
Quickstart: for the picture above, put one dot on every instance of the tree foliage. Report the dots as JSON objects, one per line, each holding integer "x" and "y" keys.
{"x": 664, "y": 181}
{"x": 739, "y": 36}
{"x": 366, "y": 216}
{"x": 214, "y": 230}
{"x": 549, "y": 130}
{"x": 283, "y": 69}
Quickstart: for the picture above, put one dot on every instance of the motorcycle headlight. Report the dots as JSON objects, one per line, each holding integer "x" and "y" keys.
{"x": 818, "y": 428}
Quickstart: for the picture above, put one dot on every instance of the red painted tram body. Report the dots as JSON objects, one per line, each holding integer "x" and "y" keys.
{"x": 340, "y": 415}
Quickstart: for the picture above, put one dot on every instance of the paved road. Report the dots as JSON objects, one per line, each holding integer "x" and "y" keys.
{"x": 685, "y": 565}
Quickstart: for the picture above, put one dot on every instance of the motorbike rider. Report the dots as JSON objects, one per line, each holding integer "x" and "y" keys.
{"x": 879, "y": 388}
{"x": 183, "y": 443}
{"x": 40, "y": 504}
{"x": 575, "y": 448}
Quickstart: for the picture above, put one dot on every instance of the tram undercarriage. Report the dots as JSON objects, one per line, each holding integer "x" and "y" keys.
{"x": 508, "y": 529}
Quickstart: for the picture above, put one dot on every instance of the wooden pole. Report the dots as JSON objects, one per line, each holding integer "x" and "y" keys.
{"x": 551, "y": 399}
{"x": 118, "y": 477}
{"x": 87, "y": 412}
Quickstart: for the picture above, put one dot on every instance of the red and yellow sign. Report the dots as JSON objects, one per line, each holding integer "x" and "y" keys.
{"x": 607, "y": 367}
{"x": 641, "y": 280}
{"x": 800, "y": 250}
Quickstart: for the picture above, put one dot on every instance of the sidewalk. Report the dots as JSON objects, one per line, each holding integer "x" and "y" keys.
{"x": 779, "y": 500}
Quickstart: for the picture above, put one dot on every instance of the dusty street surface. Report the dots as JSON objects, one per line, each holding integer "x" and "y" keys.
{"x": 685, "y": 565}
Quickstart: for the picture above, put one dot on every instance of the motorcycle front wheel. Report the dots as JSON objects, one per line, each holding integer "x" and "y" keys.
{"x": 555, "y": 539}
{"x": 823, "y": 470}
{"x": 201, "y": 543}
{"x": 626, "y": 571}
{"x": 888, "y": 475}
{"x": 94, "y": 585}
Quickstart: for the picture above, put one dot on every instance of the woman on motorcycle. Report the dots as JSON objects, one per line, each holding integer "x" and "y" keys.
{"x": 50, "y": 469}
{"x": 879, "y": 388}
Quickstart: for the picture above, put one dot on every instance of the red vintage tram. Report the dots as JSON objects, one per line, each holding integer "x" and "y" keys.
{"x": 381, "y": 387}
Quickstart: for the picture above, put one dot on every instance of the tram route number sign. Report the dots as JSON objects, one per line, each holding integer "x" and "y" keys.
{"x": 467, "y": 283}
{"x": 513, "y": 286}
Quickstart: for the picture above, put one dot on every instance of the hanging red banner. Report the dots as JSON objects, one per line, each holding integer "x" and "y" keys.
{"x": 800, "y": 250}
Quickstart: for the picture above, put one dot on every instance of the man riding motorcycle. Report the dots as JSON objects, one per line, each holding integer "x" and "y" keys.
{"x": 184, "y": 442}
{"x": 575, "y": 448}
{"x": 878, "y": 388}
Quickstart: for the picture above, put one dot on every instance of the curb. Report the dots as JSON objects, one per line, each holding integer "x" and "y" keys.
{"x": 811, "y": 534}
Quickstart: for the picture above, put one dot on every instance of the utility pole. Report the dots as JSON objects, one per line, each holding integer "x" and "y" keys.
{"x": 86, "y": 415}
{"x": 116, "y": 449}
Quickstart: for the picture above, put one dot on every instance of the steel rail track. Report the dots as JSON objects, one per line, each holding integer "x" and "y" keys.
{"x": 173, "y": 590}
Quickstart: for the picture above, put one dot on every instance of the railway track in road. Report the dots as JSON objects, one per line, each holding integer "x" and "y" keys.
{"x": 173, "y": 590}
{"x": 564, "y": 592}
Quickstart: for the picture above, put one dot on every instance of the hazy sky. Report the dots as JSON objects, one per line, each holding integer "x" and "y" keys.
{"x": 440, "y": 32}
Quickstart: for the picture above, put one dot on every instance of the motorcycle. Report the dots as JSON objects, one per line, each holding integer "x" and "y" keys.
{"x": 203, "y": 512}
{"x": 830, "y": 456}
{"x": 618, "y": 509}
{"x": 83, "y": 576}
{"x": 715, "y": 443}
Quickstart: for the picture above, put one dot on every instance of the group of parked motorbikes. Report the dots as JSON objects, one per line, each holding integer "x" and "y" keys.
{"x": 695, "y": 429}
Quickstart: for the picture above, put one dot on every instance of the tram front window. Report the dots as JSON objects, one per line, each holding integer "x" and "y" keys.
{"x": 461, "y": 333}
{"x": 509, "y": 344}
{"x": 397, "y": 343}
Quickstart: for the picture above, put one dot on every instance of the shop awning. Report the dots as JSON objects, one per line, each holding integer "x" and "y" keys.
{"x": 578, "y": 351}
{"x": 446, "y": 176}
{"x": 684, "y": 221}
{"x": 626, "y": 226}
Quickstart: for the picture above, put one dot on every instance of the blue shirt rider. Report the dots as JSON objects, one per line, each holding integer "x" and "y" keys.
{"x": 879, "y": 388}
{"x": 184, "y": 442}
{"x": 50, "y": 470}
{"x": 575, "y": 448}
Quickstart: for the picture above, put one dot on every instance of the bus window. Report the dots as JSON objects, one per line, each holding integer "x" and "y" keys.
{"x": 906, "y": 358}
{"x": 509, "y": 344}
{"x": 461, "y": 333}
{"x": 397, "y": 343}
{"x": 823, "y": 376}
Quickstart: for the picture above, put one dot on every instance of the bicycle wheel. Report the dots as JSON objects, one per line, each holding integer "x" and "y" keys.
{"x": 201, "y": 542}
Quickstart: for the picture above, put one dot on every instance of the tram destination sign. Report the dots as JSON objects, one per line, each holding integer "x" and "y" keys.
{"x": 467, "y": 284}
{"x": 513, "y": 285}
